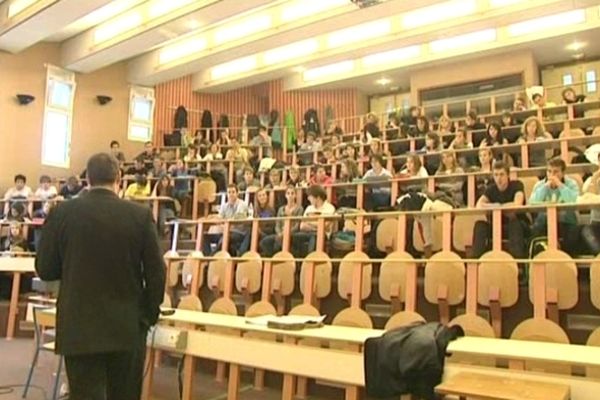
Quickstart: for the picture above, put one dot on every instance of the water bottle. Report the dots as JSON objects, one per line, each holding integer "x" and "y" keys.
{"x": 250, "y": 211}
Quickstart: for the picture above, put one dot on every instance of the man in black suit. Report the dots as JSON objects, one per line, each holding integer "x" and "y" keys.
{"x": 106, "y": 254}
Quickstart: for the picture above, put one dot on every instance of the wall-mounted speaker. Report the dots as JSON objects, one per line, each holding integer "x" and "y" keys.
{"x": 25, "y": 99}
{"x": 103, "y": 100}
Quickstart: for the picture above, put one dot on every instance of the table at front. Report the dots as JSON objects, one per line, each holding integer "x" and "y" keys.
{"x": 17, "y": 266}
{"x": 301, "y": 360}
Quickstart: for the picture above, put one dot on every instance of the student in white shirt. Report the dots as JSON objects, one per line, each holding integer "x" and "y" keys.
{"x": 19, "y": 191}
{"x": 46, "y": 190}
{"x": 380, "y": 194}
{"x": 308, "y": 229}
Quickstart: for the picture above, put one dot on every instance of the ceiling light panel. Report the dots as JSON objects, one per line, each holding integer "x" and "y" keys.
{"x": 339, "y": 68}
{"x": 504, "y": 3}
{"x": 460, "y": 41}
{"x": 117, "y": 26}
{"x": 548, "y": 22}
{"x": 234, "y": 67}
{"x": 242, "y": 29}
{"x": 302, "y": 8}
{"x": 438, "y": 13}
{"x": 392, "y": 56}
{"x": 359, "y": 33}
{"x": 291, "y": 51}
{"x": 182, "y": 49}
{"x": 158, "y": 8}
{"x": 18, "y": 6}
{"x": 106, "y": 12}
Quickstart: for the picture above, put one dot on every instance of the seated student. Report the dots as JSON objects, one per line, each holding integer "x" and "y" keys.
{"x": 421, "y": 128}
{"x": 167, "y": 210}
{"x": 461, "y": 142}
{"x": 18, "y": 212}
{"x": 507, "y": 120}
{"x": 16, "y": 240}
{"x": 336, "y": 146}
{"x": 346, "y": 195}
{"x": 240, "y": 158}
{"x": 275, "y": 183}
{"x": 445, "y": 126}
{"x": 533, "y": 131}
{"x": 433, "y": 144}
{"x": 539, "y": 101}
{"x": 519, "y": 105}
{"x": 306, "y": 151}
{"x": 493, "y": 136}
{"x": 591, "y": 233}
{"x": 557, "y": 188}
{"x": 452, "y": 187}
{"x": 380, "y": 194}
{"x": 307, "y": 234}
{"x": 328, "y": 156}
{"x": 249, "y": 182}
{"x": 138, "y": 168}
{"x": 570, "y": 97}
{"x": 263, "y": 140}
{"x": 262, "y": 209}
{"x": 472, "y": 122}
{"x": 201, "y": 141}
{"x": 502, "y": 192}
{"x": 192, "y": 154}
{"x": 349, "y": 152}
{"x": 234, "y": 208}
{"x": 20, "y": 191}
{"x": 320, "y": 177}
{"x": 187, "y": 139}
{"x": 214, "y": 153}
{"x": 115, "y": 151}
{"x": 271, "y": 244}
{"x": 71, "y": 188}
{"x": 139, "y": 188}
{"x": 46, "y": 190}
{"x": 158, "y": 167}
{"x": 299, "y": 140}
{"x": 180, "y": 175}
{"x": 148, "y": 154}
{"x": 371, "y": 130}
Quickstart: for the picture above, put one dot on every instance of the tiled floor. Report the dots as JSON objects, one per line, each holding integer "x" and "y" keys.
{"x": 15, "y": 358}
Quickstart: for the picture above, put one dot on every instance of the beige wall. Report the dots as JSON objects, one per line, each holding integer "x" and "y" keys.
{"x": 474, "y": 69}
{"x": 94, "y": 126}
{"x": 553, "y": 76}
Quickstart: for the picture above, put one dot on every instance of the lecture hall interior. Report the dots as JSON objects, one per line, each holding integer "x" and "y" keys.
{"x": 355, "y": 199}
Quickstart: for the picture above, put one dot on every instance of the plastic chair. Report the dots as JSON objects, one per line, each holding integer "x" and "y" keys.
{"x": 41, "y": 344}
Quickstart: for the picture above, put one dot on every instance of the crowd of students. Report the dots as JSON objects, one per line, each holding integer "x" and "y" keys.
{"x": 436, "y": 154}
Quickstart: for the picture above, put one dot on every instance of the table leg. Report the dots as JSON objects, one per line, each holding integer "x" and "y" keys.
{"x": 289, "y": 380}
{"x": 189, "y": 363}
{"x": 233, "y": 386}
{"x": 13, "y": 308}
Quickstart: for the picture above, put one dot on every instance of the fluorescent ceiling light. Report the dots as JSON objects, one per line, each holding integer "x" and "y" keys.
{"x": 438, "y": 13}
{"x": 103, "y": 14}
{"x": 548, "y": 22}
{"x": 302, "y": 8}
{"x": 383, "y": 81}
{"x": 575, "y": 46}
{"x": 234, "y": 67}
{"x": 159, "y": 8}
{"x": 294, "y": 50}
{"x": 503, "y": 3}
{"x": 117, "y": 26}
{"x": 181, "y": 49}
{"x": 245, "y": 28}
{"x": 469, "y": 39}
{"x": 360, "y": 32}
{"x": 18, "y": 6}
{"x": 330, "y": 69}
{"x": 391, "y": 56}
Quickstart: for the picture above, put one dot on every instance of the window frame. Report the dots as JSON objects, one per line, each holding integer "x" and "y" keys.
{"x": 62, "y": 76}
{"x": 146, "y": 94}
{"x": 591, "y": 84}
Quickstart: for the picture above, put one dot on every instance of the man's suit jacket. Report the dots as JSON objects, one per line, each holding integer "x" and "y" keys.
{"x": 106, "y": 254}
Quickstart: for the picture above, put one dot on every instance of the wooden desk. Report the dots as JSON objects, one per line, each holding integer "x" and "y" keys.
{"x": 16, "y": 266}
{"x": 346, "y": 367}
{"x": 487, "y": 387}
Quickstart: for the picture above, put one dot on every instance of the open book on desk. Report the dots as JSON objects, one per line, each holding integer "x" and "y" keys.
{"x": 287, "y": 322}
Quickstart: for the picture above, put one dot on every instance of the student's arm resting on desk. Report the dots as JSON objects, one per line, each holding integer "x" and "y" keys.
{"x": 569, "y": 191}
{"x": 539, "y": 193}
{"x": 153, "y": 271}
{"x": 48, "y": 263}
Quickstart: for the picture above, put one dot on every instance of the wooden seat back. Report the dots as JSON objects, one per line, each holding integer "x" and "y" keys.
{"x": 462, "y": 230}
{"x": 403, "y": 318}
{"x": 595, "y": 282}
{"x": 215, "y": 275}
{"x": 392, "y": 277}
{"x": 207, "y": 191}
{"x": 473, "y": 325}
{"x": 542, "y": 330}
{"x": 437, "y": 232}
{"x": 248, "y": 273}
{"x": 528, "y": 184}
{"x": 346, "y": 271}
{"x": 189, "y": 268}
{"x": 284, "y": 273}
{"x": 352, "y": 317}
{"x": 323, "y": 270}
{"x": 386, "y": 235}
{"x": 593, "y": 340}
{"x": 561, "y": 278}
{"x": 500, "y": 274}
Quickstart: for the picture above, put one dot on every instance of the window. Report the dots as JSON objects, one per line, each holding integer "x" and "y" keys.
{"x": 58, "y": 117}
{"x": 567, "y": 79}
{"x": 590, "y": 80}
{"x": 141, "y": 114}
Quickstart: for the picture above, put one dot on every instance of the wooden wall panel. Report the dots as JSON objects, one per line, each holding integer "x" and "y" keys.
{"x": 257, "y": 99}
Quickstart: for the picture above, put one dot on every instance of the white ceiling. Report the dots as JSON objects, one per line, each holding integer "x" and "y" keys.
{"x": 74, "y": 25}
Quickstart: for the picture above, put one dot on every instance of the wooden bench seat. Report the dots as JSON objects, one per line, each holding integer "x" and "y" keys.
{"x": 487, "y": 387}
